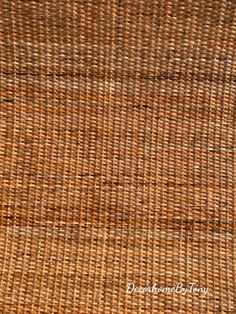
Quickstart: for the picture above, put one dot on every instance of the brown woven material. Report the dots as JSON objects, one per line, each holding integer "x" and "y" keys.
{"x": 117, "y": 146}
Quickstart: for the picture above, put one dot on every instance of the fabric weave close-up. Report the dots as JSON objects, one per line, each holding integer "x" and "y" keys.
{"x": 117, "y": 156}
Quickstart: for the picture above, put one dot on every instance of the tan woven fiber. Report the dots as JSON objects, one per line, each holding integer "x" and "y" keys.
{"x": 117, "y": 156}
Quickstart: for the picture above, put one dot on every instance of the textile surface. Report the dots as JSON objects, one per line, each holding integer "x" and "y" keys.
{"x": 117, "y": 146}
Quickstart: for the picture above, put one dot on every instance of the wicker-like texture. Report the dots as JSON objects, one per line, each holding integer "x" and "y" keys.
{"x": 117, "y": 146}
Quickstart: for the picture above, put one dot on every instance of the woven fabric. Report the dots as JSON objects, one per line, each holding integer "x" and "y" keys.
{"x": 117, "y": 146}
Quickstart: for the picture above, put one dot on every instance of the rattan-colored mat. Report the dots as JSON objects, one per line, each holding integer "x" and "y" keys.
{"x": 117, "y": 146}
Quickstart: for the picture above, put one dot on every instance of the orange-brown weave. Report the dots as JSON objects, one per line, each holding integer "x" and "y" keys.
{"x": 117, "y": 155}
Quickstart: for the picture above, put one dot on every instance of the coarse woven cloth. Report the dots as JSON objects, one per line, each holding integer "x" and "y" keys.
{"x": 117, "y": 155}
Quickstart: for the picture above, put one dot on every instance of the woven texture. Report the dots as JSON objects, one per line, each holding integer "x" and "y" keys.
{"x": 117, "y": 146}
